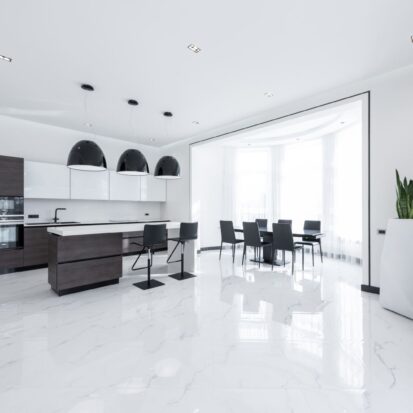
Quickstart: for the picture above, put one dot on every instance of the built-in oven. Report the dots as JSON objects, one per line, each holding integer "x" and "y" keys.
{"x": 11, "y": 222}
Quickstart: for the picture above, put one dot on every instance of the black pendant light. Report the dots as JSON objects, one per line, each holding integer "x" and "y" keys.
{"x": 86, "y": 156}
{"x": 167, "y": 168}
{"x": 132, "y": 162}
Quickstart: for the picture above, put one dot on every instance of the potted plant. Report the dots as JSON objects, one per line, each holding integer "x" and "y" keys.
{"x": 396, "y": 278}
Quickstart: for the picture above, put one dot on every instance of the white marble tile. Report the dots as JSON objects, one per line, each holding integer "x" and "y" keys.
{"x": 230, "y": 340}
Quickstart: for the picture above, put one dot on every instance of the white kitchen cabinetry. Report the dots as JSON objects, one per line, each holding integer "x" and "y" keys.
{"x": 153, "y": 189}
{"x": 89, "y": 185}
{"x": 124, "y": 187}
{"x": 46, "y": 180}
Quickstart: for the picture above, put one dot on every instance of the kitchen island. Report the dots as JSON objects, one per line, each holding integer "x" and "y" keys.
{"x": 84, "y": 257}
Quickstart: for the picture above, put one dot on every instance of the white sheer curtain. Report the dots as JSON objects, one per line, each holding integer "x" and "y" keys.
{"x": 318, "y": 179}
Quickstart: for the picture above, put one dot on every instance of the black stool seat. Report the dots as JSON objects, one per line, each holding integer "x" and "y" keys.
{"x": 152, "y": 234}
{"x": 188, "y": 231}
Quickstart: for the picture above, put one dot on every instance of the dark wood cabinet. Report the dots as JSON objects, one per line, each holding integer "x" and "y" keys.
{"x": 11, "y": 176}
{"x": 10, "y": 259}
{"x": 36, "y": 243}
{"x": 85, "y": 261}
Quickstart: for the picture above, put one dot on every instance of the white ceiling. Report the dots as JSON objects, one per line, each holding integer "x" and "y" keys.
{"x": 138, "y": 49}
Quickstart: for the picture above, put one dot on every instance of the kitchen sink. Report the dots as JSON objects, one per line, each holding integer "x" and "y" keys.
{"x": 53, "y": 223}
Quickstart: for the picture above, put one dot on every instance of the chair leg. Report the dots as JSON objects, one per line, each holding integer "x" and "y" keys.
{"x": 302, "y": 258}
{"x": 243, "y": 254}
{"x": 321, "y": 250}
{"x": 272, "y": 259}
{"x": 220, "y": 251}
{"x": 233, "y": 253}
{"x": 284, "y": 257}
{"x": 149, "y": 283}
{"x": 292, "y": 263}
{"x": 259, "y": 257}
{"x": 312, "y": 252}
{"x": 182, "y": 275}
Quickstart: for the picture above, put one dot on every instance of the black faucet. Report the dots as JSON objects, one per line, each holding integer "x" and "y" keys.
{"x": 55, "y": 219}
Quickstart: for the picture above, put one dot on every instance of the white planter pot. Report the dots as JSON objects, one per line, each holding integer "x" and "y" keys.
{"x": 396, "y": 278}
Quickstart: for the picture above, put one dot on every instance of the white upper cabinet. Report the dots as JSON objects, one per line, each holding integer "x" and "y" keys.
{"x": 124, "y": 187}
{"x": 89, "y": 185}
{"x": 153, "y": 189}
{"x": 46, "y": 180}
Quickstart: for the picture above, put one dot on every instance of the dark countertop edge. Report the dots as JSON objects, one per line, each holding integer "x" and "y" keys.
{"x": 94, "y": 223}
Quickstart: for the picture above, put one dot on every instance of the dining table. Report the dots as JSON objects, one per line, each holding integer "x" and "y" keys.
{"x": 267, "y": 236}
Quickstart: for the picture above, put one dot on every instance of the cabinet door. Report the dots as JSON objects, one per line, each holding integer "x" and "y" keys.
{"x": 153, "y": 189}
{"x": 124, "y": 187}
{"x": 46, "y": 180}
{"x": 36, "y": 243}
{"x": 89, "y": 185}
{"x": 11, "y": 176}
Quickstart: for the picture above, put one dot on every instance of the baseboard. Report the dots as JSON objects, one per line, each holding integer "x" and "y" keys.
{"x": 370, "y": 289}
{"x": 212, "y": 248}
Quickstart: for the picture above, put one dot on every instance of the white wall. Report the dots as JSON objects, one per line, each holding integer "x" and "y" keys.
{"x": 391, "y": 147}
{"x": 44, "y": 143}
{"x": 207, "y": 194}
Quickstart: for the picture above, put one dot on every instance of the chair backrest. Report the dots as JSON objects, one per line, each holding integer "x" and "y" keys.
{"x": 227, "y": 232}
{"x": 286, "y": 221}
{"x": 154, "y": 234}
{"x": 262, "y": 223}
{"x": 251, "y": 234}
{"x": 312, "y": 225}
{"x": 188, "y": 230}
{"x": 282, "y": 237}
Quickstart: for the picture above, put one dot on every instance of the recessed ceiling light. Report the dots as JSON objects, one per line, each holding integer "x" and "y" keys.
{"x": 342, "y": 122}
{"x": 152, "y": 139}
{"x": 88, "y": 124}
{"x": 269, "y": 94}
{"x": 195, "y": 122}
{"x": 194, "y": 48}
{"x": 86, "y": 86}
{"x": 132, "y": 102}
{"x": 168, "y": 114}
{"x": 7, "y": 59}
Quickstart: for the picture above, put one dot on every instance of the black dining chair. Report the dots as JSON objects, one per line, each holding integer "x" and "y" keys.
{"x": 290, "y": 223}
{"x": 262, "y": 223}
{"x": 153, "y": 234}
{"x": 310, "y": 240}
{"x": 188, "y": 231}
{"x": 252, "y": 238}
{"x": 282, "y": 239}
{"x": 228, "y": 237}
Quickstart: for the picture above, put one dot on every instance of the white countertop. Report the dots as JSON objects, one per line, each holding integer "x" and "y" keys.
{"x": 65, "y": 231}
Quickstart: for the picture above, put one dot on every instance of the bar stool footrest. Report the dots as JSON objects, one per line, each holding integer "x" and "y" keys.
{"x": 182, "y": 276}
{"x": 147, "y": 285}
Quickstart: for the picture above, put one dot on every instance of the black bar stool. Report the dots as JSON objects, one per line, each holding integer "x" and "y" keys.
{"x": 152, "y": 234}
{"x": 188, "y": 231}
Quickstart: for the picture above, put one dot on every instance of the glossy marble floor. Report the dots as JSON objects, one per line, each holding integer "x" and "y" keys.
{"x": 231, "y": 340}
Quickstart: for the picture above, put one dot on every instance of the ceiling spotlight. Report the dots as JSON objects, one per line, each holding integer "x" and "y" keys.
{"x": 342, "y": 122}
{"x": 269, "y": 94}
{"x": 7, "y": 59}
{"x": 132, "y": 102}
{"x": 195, "y": 122}
{"x": 87, "y": 87}
{"x": 194, "y": 48}
{"x": 168, "y": 114}
{"x": 88, "y": 124}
